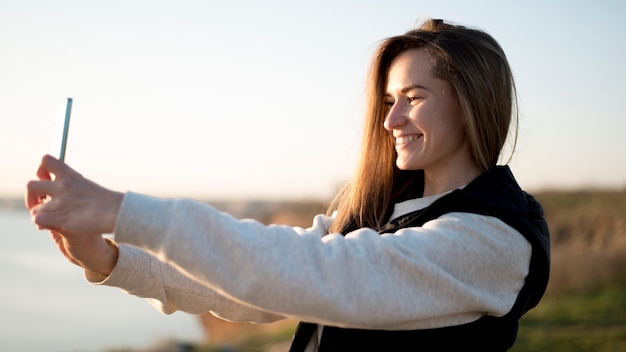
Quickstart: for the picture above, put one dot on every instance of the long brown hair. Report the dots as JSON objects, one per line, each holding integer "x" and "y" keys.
{"x": 478, "y": 70}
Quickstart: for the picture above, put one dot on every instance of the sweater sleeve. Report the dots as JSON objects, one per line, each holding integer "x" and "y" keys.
{"x": 451, "y": 271}
{"x": 168, "y": 289}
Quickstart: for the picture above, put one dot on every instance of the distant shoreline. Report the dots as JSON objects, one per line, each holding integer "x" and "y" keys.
{"x": 238, "y": 208}
{"x": 251, "y": 207}
{"x": 12, "y": 204}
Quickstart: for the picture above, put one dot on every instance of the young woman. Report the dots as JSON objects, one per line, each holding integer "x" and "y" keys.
{"x": 430, "y": 245}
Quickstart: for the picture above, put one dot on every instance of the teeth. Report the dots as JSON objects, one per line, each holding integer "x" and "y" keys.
{"x": 407, "y": 139}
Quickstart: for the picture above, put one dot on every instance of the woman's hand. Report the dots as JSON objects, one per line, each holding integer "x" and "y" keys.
{"x": 77, "y": 212}
{"x": 70, "y": 204}
{"x": 92, "y": 253}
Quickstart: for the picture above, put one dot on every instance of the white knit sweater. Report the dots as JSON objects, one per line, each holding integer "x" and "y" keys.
{"x": 186, "y": 255}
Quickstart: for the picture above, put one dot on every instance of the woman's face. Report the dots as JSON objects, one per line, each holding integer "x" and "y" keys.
{"x": 424, "y": 118}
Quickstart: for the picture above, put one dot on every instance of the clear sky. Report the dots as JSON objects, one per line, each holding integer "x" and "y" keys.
{"x": 263, "y": 99}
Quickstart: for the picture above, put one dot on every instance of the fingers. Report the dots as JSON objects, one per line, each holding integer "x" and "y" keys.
{"x": 69, "y": 203}
{"x": 38, "y": 191}
{"x": 45, "y": 218}
{"x": 51, "y": 165}
{"x": 41, "y": 204}
{"x": 43, "y": 173}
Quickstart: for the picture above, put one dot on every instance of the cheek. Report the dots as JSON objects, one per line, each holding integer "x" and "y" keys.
{"x": 456, "y": 132}
{"x": 449, "y": 130}
{"x": 454, "y": 120}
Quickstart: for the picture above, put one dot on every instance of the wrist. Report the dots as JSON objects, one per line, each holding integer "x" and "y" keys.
{"x": 107, "y": 259}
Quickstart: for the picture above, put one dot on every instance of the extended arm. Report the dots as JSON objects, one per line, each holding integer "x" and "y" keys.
{"x": 168, "y": 289}
{"x": 440, "y": 274}
{"x": 452, "y": 270}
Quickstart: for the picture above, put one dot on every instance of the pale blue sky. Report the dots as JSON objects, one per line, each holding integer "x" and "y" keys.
{"x": 263, "y": 99}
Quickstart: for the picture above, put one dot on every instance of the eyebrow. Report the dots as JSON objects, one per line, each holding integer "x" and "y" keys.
{"x": 410, "y": 87}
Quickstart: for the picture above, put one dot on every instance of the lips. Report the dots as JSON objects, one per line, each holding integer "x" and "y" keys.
{"x": 407, "y": 139}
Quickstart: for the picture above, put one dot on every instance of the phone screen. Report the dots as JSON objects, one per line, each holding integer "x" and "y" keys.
{"x": 61, "y": 130}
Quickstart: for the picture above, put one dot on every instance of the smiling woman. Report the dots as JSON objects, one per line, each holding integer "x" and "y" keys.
{"x": 431, "y": 243}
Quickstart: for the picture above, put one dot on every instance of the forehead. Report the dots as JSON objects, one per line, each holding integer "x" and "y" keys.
{"x": 413, "y": 66}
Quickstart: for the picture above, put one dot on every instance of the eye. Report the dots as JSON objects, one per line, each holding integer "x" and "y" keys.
{"x": 414, "y": 100}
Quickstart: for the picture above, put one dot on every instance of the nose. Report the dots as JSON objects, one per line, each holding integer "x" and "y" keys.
{"x": 395, "y": 117}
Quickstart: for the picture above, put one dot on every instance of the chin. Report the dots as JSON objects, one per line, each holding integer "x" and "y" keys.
{"x": 407, "y": 166}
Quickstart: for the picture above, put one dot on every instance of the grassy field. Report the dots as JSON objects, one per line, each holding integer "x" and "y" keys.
{"x": 589, "y": 321}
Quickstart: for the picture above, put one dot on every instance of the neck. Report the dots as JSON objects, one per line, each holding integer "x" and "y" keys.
{"x": 439, "y": 182}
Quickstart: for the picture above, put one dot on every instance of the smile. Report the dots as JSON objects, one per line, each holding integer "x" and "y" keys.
{"x": 408, "y": 139}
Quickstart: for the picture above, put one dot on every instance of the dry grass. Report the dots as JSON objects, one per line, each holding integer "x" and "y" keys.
{"x": 588, "y": 234}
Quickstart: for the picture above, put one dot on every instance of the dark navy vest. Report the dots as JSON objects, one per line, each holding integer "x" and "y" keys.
{"x": 497, "y": 194}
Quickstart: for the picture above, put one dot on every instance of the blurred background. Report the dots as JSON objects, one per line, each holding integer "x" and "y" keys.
{"x": 253, "y": 105}
{"x": 250, "y": 99}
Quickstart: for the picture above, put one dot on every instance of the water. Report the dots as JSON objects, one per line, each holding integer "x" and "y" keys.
{"x": 47, "y": 305}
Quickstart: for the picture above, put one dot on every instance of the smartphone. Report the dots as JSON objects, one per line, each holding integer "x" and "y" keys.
{"x": 62, "y": 129}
